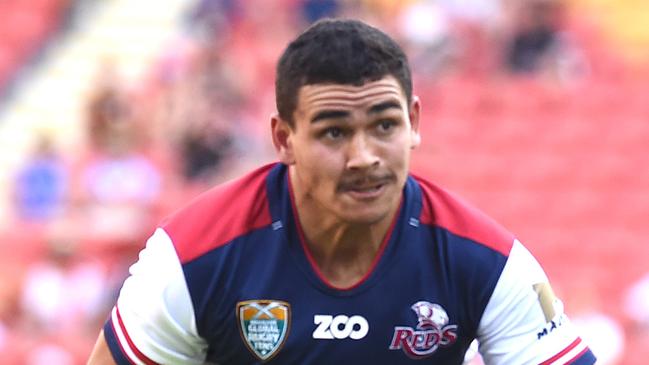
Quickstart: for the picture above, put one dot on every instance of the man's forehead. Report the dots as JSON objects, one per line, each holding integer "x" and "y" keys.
{"x": 314, "y": 95}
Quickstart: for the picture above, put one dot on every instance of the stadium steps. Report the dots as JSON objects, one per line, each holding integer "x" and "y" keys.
{"x": 52, "y": 100}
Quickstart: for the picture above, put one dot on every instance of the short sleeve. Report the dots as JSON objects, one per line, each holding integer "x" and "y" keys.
{"x": 153, "y": 321}
{"x": 524, "y": 323}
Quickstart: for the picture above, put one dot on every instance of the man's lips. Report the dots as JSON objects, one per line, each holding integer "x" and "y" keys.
{"x": 367, "y": 186}
{"x": 367, "y": 192}
{"x": 363, "y": 188}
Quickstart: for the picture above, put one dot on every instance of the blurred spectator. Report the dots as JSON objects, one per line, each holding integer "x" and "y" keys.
{"x": 63, "y": 299}
{"x": 214, "y": 17}
{"x": 313, "y": 10}
{"x": 426, "y": 32}
{"x": 205, "y": 147}
{"x": 535, "y": 37}
{"x": 539, "y": 44}
{"x": 108, "y": 106}
{"x": 204, "y": 114}
{"x": 63, "y": 292}
{"x": 41, "y": 185}
{"x": 213, "y": 79}
{"x": 482, "y": 13}
{"x": 120, "y": 188}
{"x": 476, "y": 27}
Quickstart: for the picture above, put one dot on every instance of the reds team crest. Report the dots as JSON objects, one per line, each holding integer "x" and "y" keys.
{"x": 432, "y": 331}
{"x": 264, "y": 326}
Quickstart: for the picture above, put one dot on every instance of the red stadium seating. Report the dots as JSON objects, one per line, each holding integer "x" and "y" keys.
{"x": 565, "y": 170}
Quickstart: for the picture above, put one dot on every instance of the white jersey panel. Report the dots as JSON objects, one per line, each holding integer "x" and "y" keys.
{"x": 523, "y": 322}
{"x": 155, "y": 307}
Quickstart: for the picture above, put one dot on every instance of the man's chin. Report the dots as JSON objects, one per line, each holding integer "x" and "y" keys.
{"x": 363, "y": 216}
{"x": 366, "y": 212}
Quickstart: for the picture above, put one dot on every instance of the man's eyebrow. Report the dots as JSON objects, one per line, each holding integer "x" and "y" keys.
{"x": 330, "y": 114}
{"x": 337, "y": 114}
{"x": 378, "y": 108}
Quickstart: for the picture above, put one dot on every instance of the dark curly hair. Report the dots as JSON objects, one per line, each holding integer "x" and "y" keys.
{"x": 338, "y": 51}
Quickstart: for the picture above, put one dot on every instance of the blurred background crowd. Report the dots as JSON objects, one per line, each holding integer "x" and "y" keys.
{"x": 113, "y": 113}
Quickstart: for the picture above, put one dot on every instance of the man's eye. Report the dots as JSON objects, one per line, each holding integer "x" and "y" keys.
{"x": 333, "y": 132}
{"x": 386, "y": 125}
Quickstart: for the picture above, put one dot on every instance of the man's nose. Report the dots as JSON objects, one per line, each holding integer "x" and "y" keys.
{"x": 361, "y": 154}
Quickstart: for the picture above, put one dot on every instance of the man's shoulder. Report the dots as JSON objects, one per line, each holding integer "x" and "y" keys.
{"x": 220, "y": 215}
{"x": 444, "y": 209}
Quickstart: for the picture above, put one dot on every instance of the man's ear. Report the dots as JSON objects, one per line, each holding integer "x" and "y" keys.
{"x": 282, "y": 132}
{"x": 414, "y": 113}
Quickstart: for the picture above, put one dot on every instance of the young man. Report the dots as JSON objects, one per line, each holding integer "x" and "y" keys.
{"x": 336, "y": 255}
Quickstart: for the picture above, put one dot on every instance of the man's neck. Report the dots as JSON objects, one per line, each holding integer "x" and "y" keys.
{"x": 344, "y": 254}
{"x": 343, "y": 251}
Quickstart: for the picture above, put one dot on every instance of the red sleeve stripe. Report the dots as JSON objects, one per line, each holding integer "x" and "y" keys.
{"x": 132, "y": 353}
{"x": 128, "y": 354}
{"x": 569, "y": 354}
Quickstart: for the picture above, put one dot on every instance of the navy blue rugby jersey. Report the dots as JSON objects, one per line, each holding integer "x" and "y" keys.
{"x": 229, "y": 280}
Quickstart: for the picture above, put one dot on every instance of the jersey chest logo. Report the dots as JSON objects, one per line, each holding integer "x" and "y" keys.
{"x": 340, "y": 327}
{"x": 431, "y": 332}
{"x": 264, "y": 326}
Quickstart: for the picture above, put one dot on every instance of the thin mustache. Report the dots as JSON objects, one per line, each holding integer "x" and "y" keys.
{"x": 373, "y": 179}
